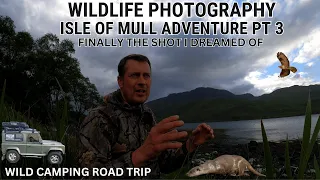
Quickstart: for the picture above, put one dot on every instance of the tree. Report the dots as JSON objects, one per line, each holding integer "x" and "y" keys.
{"x": 31, "y": 68}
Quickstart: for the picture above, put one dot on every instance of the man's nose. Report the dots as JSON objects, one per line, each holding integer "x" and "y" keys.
{"x": 142, "y": 80}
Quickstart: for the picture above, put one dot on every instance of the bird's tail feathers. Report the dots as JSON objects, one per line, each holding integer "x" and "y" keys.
{"x": 293, "y": 69}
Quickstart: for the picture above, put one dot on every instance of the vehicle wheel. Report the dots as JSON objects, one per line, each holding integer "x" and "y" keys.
{"x": 12, "y": 156}
{"x": 55, "y": 157}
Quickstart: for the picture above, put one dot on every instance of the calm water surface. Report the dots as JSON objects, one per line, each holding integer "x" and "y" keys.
{"x": 244, "y": 131}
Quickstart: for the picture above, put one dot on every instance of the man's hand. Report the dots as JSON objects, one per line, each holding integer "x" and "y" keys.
{"x": 199, "y": 136}
{"x": 160, "y": 138}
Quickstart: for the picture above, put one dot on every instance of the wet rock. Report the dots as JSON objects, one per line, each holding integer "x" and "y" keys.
{"x": 215, "y": 152}
{"x": 253, "y": 145}
{"x": 311, "y": 171}
{"x": 251, "y": 160}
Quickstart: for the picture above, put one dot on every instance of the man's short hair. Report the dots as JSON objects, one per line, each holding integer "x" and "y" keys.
{"x": 136, "y": 57}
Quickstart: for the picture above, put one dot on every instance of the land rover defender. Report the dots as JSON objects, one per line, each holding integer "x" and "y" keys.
{"x": 19, "y": 140}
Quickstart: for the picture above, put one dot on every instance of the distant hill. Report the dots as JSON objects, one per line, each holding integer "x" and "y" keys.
{"x": 209, "y": 104}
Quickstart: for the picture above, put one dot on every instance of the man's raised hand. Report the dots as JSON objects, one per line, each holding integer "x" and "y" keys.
{"x": 161, "y": 137}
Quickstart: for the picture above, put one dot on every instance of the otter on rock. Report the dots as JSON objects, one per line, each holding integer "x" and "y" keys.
{"x": 232, "y": 165}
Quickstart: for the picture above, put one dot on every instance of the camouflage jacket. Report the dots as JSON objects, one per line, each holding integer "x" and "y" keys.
{"x": 112, "y": 131}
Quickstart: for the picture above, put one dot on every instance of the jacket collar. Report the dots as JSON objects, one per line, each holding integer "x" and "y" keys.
{"x": 116, "y": 99}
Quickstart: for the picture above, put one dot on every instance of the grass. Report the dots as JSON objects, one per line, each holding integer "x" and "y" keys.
{"x": 8, "y": 113}
{"x": 267, "y": 153}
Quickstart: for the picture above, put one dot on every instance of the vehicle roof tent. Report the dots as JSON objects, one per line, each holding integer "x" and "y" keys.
{"x": 16, "y": 127}
{"x": 14, "y": 124}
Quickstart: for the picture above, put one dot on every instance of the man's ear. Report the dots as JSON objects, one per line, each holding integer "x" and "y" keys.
{"x": 120, "y": 81}
{"x": 105, "y": 98}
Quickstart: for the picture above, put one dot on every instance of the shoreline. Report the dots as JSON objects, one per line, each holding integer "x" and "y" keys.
{"x": 254, "y": 119}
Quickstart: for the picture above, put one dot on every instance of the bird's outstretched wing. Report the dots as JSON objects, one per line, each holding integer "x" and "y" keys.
{"x": 283, "y": 59}
{"x": 284, "y": 72}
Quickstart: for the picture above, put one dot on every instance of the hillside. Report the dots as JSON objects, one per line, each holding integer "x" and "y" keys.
{"x": 209, "y": 104}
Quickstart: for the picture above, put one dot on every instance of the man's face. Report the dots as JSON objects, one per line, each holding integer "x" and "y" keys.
{"x": 136, "y": 82}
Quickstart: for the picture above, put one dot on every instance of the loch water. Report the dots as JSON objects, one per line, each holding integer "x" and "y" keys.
{"x": 244, "y": 131}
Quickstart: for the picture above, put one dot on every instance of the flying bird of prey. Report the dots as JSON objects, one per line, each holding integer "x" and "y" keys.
{"x": 285, "y": 65}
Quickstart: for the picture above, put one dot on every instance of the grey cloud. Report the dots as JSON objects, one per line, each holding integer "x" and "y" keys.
{"x": 220, "y": 66}
{"x": 103, "y": 86}
{"x": 242, "y": 89}
{"x": 14, "y": 9}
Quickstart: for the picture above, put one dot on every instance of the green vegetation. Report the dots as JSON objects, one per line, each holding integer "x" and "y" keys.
{"x": 43, "y": 82}
{"x": 42, "y": 75}
{"x": 267, "y": 153}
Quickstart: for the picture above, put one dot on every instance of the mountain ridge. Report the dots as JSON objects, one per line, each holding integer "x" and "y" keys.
{"x": 211, "y": 104}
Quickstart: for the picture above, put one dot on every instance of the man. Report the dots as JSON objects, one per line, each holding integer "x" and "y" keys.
{"x": 123, "y": 133}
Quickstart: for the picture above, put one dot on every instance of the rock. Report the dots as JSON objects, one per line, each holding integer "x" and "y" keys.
{"x": 197, "y": 161}
{"x": 251, "y": 160}
{"x": 253, "y": 143}
{"x": 260, "y": 169}
{"x": 311, "y": 171}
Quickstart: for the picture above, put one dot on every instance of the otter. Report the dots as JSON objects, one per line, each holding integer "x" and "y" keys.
{"x": 232, "y": 165}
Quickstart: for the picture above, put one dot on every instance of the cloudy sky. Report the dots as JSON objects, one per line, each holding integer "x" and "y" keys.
{"x": 176, "y": 69}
